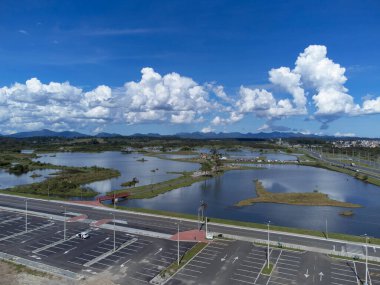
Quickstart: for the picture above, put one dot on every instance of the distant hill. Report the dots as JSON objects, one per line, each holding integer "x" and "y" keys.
{"x": 237, "y": 135}
{"x": 107, "y": 135}
{"x": 194, "y": 135}
{"x": 48, "y": 133}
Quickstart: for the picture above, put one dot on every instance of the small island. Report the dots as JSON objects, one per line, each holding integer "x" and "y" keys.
{"x": 304, "y": 199}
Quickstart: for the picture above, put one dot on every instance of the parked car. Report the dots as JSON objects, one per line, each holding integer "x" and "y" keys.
{"x": 83, "y": 235}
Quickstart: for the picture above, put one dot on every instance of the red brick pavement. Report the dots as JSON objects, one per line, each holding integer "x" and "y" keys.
{"x": 193, "y": 235}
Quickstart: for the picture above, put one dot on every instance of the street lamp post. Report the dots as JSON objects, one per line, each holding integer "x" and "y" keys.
{"x": 178, "y": 242}
{"x": 114, "y": 232}
{"x": 26, "y": 215}
{"x": 64, "y": 225}
{"x": 366, "y": 260}
{"x": 268, "y": 246}
{"x": 327, "y": 235}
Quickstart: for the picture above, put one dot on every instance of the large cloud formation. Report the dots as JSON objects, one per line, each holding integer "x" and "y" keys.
{"x": 314, "y": 87}
{"x": 61, "y": 106}
{"x": 313, "y": 73}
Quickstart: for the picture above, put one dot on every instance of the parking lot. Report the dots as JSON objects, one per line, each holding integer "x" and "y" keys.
{"x": 137, "y": 258}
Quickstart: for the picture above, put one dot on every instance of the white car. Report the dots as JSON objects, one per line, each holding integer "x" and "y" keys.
{"x": 83, "y": 235}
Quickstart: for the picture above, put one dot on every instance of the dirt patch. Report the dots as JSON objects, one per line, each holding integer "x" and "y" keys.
{"x": 12, "y": 274}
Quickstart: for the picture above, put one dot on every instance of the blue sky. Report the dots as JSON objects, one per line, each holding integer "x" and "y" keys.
{"x": 173, "y": 66}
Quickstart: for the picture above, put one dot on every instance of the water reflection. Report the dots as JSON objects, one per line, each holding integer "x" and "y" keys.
{"x": 223, "y": 192}
{"x": 8, "y": 180}
{"x": 152, "y": 170}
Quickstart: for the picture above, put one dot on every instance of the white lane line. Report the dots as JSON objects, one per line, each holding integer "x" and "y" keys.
{"x": 244, "y": 270}
{"x": 192, "y": 270}
{"x": 192, "y": 265}
{"x": 344, "y": 280}
{"x": 238, "y": 280}
{"x": 284, "y": 268}
{"x": 291, "y": 265}
{"x": 260, "y": 263}
{"x": 356, "y": 273}
{"x": 250, "y": 266}
{"x": 138, "y": 279}
{"x": 181, "y": 273}
{"x": 287, "y": 273}
{"x": 198, "y": 261}
{"x": 80, "y": 264}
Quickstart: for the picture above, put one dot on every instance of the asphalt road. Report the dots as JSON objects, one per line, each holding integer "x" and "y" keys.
{"x": 168, "y": 225}
{"x": 372, "y": 172}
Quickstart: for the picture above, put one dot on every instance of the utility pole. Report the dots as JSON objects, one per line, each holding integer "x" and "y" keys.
{"x": 26, "y": 215}
{"x": 64, "y": 226}
{"x": 206, "y": 227}
{"x": 268, "y": 246}
{"x": 366, "y": 260}
{"x": 114, "y": 233}
{"x": 178, "y": 242}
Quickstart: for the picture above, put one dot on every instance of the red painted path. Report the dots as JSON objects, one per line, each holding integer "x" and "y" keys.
{"x": 193, "y": 235}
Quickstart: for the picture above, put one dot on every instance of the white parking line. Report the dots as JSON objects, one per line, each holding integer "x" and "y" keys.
{"x": 187, "y": 269}
{"x": 192, "y": 265}
{"x": 181, "y": 273}
{"x": 198, "y": 261}
{"x": 250, "y": 266}
{"x": 284, "y": 268}
{"x": 238, "y": 280}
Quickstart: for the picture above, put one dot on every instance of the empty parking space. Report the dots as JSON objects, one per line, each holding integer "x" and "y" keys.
{"x": 374, "y": 273}
{"x": 343, "y": 273}
{"x": 287, "y": 268}
{"x": 250, "y": 266}
{"x": 158, "y": 258}
{"x": 16, "y": 228}
{"x": 200, "y": 266}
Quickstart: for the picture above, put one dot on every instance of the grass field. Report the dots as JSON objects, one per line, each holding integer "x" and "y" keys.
{"x": 306, "y": 199}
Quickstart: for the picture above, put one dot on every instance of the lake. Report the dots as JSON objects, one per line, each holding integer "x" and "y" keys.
{"x": 8, "y": 180}
{"x": 221, "y": 193}
{"x": 152, "y": 170}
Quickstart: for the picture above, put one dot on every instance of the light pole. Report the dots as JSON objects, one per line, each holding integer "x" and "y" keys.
{"x": 114, "y": 232}
{"x": 178, "y": 242}
{"x": 64, "y": 225}
{"x": 327, "y": 234}
{"x": 366, "y": 259}
{"x": 268, "y": 246}
{"x": 26, "y": 215}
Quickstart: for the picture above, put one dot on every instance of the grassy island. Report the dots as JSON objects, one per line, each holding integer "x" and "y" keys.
{"x": 67, "y": 182}
{"x": 153, "y": 190}
{"x": 305, "y": 199}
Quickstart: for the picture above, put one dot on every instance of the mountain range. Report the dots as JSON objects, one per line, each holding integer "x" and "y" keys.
{"x": 194, "y": 135}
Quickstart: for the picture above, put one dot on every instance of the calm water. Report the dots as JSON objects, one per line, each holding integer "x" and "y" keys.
{"x": 249, "y": 154}
{"x": 127, "y": 164}
{"x": 10, "y": 180}
{"x": 222, "y": 192}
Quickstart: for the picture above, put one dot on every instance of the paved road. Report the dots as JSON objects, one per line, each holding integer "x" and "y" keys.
{"x": 372, "y": 172}
{"x": 168, "y": 225}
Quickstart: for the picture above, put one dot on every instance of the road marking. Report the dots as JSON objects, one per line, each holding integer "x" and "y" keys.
{"x": 67, "y": 251}
{"x": 158, "y": 251}
{"x": 320, "y": 276}
{"x": 181, "y": 273}
{"x": 241, "y": 281}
